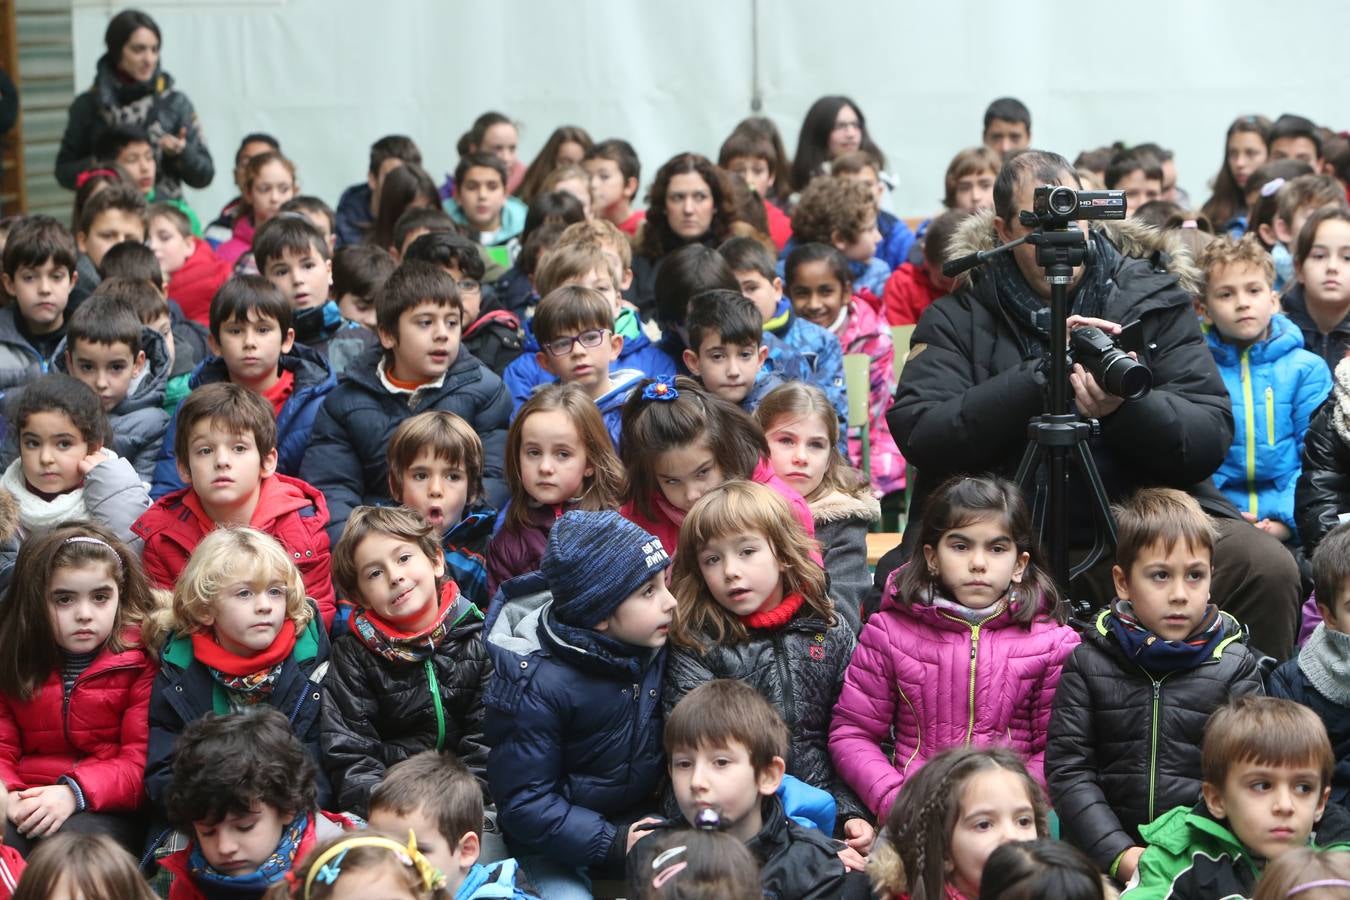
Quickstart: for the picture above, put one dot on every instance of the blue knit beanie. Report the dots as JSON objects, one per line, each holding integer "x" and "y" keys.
{"x": 594, "y": 561}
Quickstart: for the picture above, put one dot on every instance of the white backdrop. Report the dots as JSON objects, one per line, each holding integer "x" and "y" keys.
{"x": 328, "y": 77}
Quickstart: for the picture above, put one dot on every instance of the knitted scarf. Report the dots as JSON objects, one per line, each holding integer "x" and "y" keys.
{"x": 1325, "y": 662}
{"x": 250, "y": 679}
{"x": 383, "y": 639}
{"x": 1154, "y": 654}
{"x": 270, "y": 872}
{"x": 38, "y": 514}
{"x": 776, "y": 618}
{"x": 1032, "y": 311}
{"x": 118, "y": 94}
{"x": 1340, "y": 414}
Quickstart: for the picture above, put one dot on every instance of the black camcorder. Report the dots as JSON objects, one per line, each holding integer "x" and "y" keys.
{"x": 1114, "y": 369}
{"x": 1061, "y": 205}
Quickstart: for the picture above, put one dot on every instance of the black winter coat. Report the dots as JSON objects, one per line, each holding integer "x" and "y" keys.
{"x": 796, "y": 862}
{"x": 1323, "y": 489}
{"x": 184, "y": 691}
{"x": 495, "y": 339}
{"x": 347, "y": 455}
{"x": 377, "y": 712}
{"x": 575, "y": 732}
{"x": 800, "y": 670}
{"x": 1289, "y": 682}
{"x": 1123, "y": 746}
{"x": 969, "y": 386}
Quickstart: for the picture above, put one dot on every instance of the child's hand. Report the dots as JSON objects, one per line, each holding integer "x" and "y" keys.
{"x": 44, "y": 809}
{"x": 859, "y": 834}
{"x": 1277, "y": 530}
{"x": 853, "y": 860}
{"x": 92, "y": 460}
{"x": 1129, "y": 863}
{"x": 640, "y": 829}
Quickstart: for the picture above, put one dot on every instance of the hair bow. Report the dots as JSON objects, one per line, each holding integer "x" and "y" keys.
{"x": 661, "y": 387}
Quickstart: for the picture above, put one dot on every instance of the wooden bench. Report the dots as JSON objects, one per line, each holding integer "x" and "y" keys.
{"x": 879, "y": 543}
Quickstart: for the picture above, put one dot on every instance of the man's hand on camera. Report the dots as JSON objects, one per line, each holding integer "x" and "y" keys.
{"x": 1111, "y": 328}
{"x": 1088, "y": 396}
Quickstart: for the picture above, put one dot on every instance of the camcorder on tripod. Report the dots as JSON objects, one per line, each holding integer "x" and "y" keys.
{"x": 1058, "y": 434}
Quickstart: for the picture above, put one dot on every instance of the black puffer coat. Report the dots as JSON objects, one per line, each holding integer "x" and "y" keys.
{"x": 377, "y": 712}
{"x": 1123, "y": 745}
{"x": 1323, "y": 490}
{"x": 800, "y": 670}
{"x": 970, "y": 384}
{"x": 347, "y": 457}
{"x": 1289, "y": 682}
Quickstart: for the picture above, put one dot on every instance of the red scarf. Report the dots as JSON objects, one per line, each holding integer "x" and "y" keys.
{"x": 776, "y": 618}
{"x": 205, "y": 648}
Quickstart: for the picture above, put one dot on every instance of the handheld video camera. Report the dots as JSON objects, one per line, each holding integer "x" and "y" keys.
{"x": 1056, "y": 205}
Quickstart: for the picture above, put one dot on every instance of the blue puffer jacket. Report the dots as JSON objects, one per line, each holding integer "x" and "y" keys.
{"x": 896, "y": 239}
{"x": 313, "y": 380}
{"x": 347, "y": 460}
{"x": 611, "y": 404}
{"x": 1276, "y": 386}
{"x": 576, "y": 757}
{"x": 820, "y": 348}
{"x": 525, "y": 374}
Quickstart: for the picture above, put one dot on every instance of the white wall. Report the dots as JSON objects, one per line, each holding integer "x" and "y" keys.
{"x": 328, "y": 77}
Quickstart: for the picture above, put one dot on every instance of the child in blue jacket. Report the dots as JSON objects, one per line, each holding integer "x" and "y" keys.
{"x": 1275, "y": 384}
{"x": 573, "y": 705}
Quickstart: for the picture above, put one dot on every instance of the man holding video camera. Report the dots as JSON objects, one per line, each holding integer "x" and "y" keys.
{"x": 978, "y": 372}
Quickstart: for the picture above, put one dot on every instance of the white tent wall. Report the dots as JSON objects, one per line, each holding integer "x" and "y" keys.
{"x": 328, "y": 77}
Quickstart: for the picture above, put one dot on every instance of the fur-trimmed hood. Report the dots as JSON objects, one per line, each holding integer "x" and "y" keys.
{"x": 837, "y": 506}
{"x": 9, "y": 515}
{"x": 1130, "y": 237}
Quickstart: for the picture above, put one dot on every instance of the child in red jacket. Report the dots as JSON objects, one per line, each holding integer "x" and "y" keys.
{"x": 913, "y": 287}
{"x": 225, "y": 449}
{"x": 192, "y": 273}
{"x": 74, "y": 688}
{"x": 243, "y": 790}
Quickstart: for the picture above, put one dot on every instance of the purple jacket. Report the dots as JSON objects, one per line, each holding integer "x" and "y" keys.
{"x": 941, "y": 682}
{"x": 514, "y": 552}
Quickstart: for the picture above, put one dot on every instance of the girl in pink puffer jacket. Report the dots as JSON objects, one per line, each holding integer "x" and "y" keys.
{"x": 967, "y": 647}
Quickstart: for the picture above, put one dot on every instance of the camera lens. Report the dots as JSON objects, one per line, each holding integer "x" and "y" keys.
{"x": 1062, "y": 201}
{"x": 1124, "y": 377}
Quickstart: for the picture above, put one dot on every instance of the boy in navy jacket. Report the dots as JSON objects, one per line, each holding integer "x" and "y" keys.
{"x": 573, "y": 707}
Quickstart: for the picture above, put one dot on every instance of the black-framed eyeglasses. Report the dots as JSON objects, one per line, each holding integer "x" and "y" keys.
{"x": 587, "y": 339}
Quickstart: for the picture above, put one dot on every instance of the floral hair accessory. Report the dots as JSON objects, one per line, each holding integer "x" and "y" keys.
{"x": 661, "y": 388}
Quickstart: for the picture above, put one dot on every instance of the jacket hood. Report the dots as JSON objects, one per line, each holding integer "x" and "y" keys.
{"x": 623, "y": 381}
{"x": 1284, "y": 339}
{"x": 836, "y": 506}
{"x": 1130, "y": 237}
{"x": 9, "y": 515}
{"x": 488, "y": 317}
{"x": 516, "y": 613}
{"x": 513, "y": 216}
{"x": 365, "y": 371}
{"x": 935, "y": 617}
{"x": 149, "y": 391}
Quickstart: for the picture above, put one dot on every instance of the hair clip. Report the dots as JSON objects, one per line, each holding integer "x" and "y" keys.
{"x": 662, "y": 387}
{"x": 666, "y": 874}
{"x": 708, "y": 819}
{"x": 1310, "y": 885}
{"x": 83, "y": 178}
{"x": 1270, "y": 187}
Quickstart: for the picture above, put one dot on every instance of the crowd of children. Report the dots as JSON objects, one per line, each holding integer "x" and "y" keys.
{"x": 508, "y": 539}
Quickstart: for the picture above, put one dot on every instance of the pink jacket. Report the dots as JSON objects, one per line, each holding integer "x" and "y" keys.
{"x": 666, "y": 523}
{"x": 941, "y": 682}
{"x": 866, "y": 332}
{"x": 240, "y": 242}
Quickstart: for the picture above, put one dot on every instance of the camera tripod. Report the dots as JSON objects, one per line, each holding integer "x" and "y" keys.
{"x": 1058, "y": 436}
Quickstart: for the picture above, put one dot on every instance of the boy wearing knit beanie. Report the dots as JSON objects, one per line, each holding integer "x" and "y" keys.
{"x": 573, "y": 707}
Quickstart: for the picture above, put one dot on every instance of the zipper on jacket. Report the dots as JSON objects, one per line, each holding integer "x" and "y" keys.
{"x": 1249, "y": 421}
{"x": 435, "y": 687}
{"x": 970, "y": 700}
{"x": 789, "y": 704}
{"x": 1270, "y": 415}
{"x": 1153, "y": 744}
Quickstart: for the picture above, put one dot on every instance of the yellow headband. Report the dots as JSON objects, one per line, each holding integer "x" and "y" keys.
{"x": 328, "y": 865}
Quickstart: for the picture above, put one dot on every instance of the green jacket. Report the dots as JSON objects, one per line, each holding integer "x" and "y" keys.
{"x": 1193, "y": 856}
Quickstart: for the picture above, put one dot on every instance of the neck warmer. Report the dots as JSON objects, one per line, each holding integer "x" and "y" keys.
{"x": 384, "y": 639}
{"x": 273, "y": 869}
{"x": 1325, "y": 661}
{"x": 36, "y": 513}
{"x": 1154, "y": 654}
{"x": 1340, "y": 415}
{"x": 776, "y": 618}
{"x": 968, "y": 614}
{"x": 249, "y": 678}
{"x": 668, "y": 509}
{"x": 1032, "y": 311}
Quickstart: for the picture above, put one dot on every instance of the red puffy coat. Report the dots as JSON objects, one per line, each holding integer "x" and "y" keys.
{"x": 197, "y": 281}
{"x": 290, "y": 510}
{"x": 98, "y": 739}
{"x": 908, "y": 292}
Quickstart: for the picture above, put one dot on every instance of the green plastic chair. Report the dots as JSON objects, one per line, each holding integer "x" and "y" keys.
{"x": 858, "y": 384}
{"x": 900, "y": 337}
